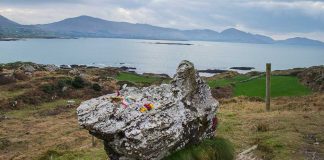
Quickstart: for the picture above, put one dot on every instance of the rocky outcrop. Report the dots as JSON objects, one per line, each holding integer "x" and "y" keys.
{"x": 313, "y": 77}
{"x": 50, "y": 67}
{"x": 151, "y": 122}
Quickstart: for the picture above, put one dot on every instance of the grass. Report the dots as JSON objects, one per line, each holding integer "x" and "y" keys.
{"x": 280, "y": 86}
{"x": 281, "y": 133}
{"x": 11, "y": 94}
{"x": 224, "y": 82}
{"x": 135, "y": 78}
{"x": 91, "y": 154}
{"x": 28, "y": 111}
{"x": 210, "y": 149}
{"x": 29, "y": 135}
{"x": 288, "y": 131}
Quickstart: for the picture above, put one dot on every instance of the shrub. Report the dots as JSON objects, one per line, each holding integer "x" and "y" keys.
{"x": 33, "y": 97}
{"x": 20, "y": 76}
{"x": 64, "y": 82}
{"x": 48, "y": 88}
{"x": 4, "y": 143}
{"x": 262, "y": 127}
{"x": 6, "y": 80}
{"x": 96, "y": 87}
{"x": 78, "y": 82}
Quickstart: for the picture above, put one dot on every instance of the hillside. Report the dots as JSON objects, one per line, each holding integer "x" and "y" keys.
{"x": 300, "y": 40}
{"x": 10, "y": 29}
{"x": 38, "y": 118}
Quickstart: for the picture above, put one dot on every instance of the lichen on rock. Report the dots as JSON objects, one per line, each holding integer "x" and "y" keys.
{"x": 151, "y": 122}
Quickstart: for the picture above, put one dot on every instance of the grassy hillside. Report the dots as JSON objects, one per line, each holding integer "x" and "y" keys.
{"x": 293, "y": 129}
{"x": 38, "y": 122}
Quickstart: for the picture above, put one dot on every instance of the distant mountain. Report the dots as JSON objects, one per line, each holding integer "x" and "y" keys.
{"x": 6, "y": 22}
{"x": 10, "y": 29}
{"x": 86, "y": 26}
{"x": 234, "y": 35}
{"x": 300, "y": 41}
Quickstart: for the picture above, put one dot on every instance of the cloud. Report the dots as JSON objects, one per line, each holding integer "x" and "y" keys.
{"x": 271, "y": 17}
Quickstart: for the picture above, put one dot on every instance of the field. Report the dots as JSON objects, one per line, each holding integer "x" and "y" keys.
{"x": 255, "y": 87}
{"x": 293, "y": 129}
{"x": 38, "y": 120}
{"x": 124, "y": 76}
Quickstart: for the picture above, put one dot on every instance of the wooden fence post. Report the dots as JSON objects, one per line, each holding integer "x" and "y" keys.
{"x": 268, "y": 86}
{"x": 93, "y": 141}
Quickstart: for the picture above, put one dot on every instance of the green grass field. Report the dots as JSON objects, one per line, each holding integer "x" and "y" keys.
{"x": 225, "y": 82}
{"x": 280, "y": 86}
{"x": 135, "y": 78}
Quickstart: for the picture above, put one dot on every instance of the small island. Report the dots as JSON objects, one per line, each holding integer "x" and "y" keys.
{"x": 243, "y": 68}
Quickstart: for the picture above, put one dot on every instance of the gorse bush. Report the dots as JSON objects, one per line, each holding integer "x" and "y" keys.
{"x": 96, "y": 87}
{"x": 66, "y": 81}
{"x": 48, "y": 88}
{"x": 209, "y": 149}
{"x": 78, "y": 82}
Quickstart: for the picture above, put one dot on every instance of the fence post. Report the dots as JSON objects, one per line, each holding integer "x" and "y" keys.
{"x": 268, "y": 85}
{"x": 93, "y": 141}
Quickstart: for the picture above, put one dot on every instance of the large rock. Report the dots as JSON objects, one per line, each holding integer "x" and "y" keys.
{"x": 184, "y": 113}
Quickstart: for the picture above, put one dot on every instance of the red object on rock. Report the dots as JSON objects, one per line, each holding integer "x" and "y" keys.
{"x": 148, "y": 106}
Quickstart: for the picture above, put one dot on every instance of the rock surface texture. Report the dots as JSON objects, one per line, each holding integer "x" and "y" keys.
{"x": 151, "y": 122}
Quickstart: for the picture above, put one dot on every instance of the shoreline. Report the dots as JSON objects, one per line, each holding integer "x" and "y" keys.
{"x": 133, "y": 69}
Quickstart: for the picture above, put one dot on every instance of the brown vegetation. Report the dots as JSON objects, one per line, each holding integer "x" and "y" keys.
{"x": 291, "y": 130}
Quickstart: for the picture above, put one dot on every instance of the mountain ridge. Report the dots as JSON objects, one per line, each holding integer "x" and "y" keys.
{"x": 91, "y": 27}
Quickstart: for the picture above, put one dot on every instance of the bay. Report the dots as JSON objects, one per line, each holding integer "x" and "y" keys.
{"x": 158, "y": 56}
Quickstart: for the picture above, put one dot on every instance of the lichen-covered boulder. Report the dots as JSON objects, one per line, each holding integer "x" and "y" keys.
{"x": 151, "y": 122}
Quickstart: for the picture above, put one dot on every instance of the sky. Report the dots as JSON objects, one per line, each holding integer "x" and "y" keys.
{"x": 279, "y": 19}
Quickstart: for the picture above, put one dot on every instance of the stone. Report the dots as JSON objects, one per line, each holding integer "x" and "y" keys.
{"x": 27, "y": 68}
{"x": 74, "y": 72}
{"x": 51, "y": 67}
{"x": 63, "y": 66}
{"x": 152, "y": 122}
